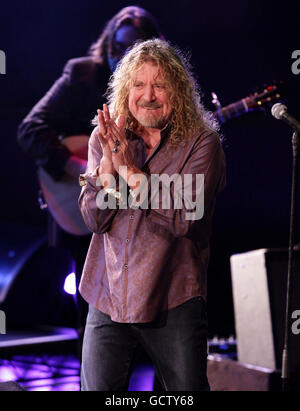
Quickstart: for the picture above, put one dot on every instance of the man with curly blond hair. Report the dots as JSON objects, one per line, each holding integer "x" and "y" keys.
{"x": 154, "y": 158}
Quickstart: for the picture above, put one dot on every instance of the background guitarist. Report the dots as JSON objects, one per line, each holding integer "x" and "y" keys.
{"x": 67, "y": 110}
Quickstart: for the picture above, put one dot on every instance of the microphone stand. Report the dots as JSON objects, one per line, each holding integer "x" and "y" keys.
{"x": 291, "y": 268}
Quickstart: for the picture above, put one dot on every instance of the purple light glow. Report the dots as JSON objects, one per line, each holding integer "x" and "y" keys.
{"x": 71, "y": 383}
{"x": 70, "y": 284}
{"x": 8, "y": 373}
{"x": 142, "y": 378}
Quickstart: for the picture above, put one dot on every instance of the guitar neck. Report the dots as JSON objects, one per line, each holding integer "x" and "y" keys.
{"x": 233, "y": 110}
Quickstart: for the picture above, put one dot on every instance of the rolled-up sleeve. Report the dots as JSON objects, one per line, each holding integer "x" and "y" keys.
{"x": 97, "y": 220}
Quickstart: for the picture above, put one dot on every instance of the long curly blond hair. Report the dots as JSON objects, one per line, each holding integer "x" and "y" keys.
{"x": 188, "y": 114}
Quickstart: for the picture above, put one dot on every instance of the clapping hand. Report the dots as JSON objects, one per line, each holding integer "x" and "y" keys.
{"x": 115, "y": 145}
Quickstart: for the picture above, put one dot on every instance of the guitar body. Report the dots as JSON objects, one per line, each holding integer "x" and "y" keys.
{"x": 62, "y": 196}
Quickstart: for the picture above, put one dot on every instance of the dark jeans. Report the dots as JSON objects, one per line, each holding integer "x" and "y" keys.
{"x": 176, "y": 343}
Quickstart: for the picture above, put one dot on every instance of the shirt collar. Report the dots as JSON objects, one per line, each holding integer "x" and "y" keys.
{"x": 163, "y": 133}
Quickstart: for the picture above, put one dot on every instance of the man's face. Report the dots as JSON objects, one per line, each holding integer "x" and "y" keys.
{"x": 148, "y": 99}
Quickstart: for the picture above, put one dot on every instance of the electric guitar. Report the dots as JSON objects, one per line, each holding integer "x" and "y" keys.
{"x": 61, "y": 197}
{"x": 256, "y": 101}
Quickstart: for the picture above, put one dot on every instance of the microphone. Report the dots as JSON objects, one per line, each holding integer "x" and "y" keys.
{"x": 279, "y": 111}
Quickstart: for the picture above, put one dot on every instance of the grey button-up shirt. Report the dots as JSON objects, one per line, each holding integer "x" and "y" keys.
{"x": 143, "y": 261}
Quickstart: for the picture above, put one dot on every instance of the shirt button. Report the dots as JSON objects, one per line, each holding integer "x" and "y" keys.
{"x": 125, "y": 266}
{"x": 127, "y": 240}
{"x": 131, "y": 217}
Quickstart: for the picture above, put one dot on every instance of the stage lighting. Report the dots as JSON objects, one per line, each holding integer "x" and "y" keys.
{"x": 70, "y": 284}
